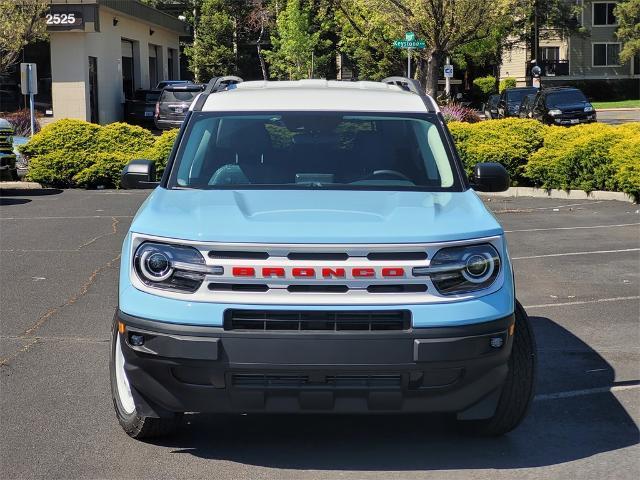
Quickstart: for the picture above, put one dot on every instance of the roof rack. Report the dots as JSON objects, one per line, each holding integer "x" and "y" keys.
{"x": 414, "y": 86}
{"x": 216, "y": 84}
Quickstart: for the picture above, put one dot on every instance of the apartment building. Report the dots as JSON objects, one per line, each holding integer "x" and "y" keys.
{"x": 588, "y": 60}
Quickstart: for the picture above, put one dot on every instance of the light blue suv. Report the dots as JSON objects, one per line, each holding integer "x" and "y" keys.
{"x": 316, "y": 247}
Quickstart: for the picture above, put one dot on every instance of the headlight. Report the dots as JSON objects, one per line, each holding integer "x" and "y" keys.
{"x": 171, "y": 267}
{"x": 588, "y": 108}
{"x": 465, "y": 269}
{"x": 555, "y": 112}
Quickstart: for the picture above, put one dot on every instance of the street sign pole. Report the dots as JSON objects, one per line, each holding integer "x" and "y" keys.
{"x": 31, "y": 102}
{"x": 408, "y": 63}
{"x": 447, "y": 81}
{"x": 29, "y": 86}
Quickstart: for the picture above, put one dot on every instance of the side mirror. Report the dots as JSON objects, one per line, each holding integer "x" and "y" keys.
{"x": 490, "y": 177}
{"x": 139, "y": 174}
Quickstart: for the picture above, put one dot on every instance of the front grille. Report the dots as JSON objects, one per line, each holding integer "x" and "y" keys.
{"x": 294, "y": 381}
{"x": 319, "y": 321}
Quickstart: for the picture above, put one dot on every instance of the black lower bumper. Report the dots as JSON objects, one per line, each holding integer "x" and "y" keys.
{"x": 206, "y": 369}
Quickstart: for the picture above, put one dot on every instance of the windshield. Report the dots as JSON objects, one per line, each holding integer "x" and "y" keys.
{"x": 516, "y": 96}
{"x": 567, "y": 97}
{"x": 179, "y": 95}
{"x": 313, "y": 150}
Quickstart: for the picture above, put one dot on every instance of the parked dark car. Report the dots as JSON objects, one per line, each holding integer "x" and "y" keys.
{"x": 141, "y": 109}
{"x": 563, "y": 106}
{"x": 491, "y": 107}
{"x": 510, "y": 100}
{"x": 166, "y": 83}
{"x": 8, "y": 170}
{"x": 526, "y": 107}
{"x": 173, "y": 104}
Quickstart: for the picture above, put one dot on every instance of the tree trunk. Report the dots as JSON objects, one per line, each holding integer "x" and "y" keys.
{"x": 263, "y": 66}
{"x": 433, "y": 73}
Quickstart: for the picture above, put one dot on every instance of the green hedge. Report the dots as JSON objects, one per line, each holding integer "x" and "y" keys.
{"x": 589, "y": 157}
{"x": 508, "y": 82}
{"x": 586, "y": 157}
{"x": 509, "y": 142}
{"x": 73, "y": 153}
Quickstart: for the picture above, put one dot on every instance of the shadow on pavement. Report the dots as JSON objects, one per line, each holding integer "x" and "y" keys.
{"x": 557, "y": 430}
{"x": 8, "y": 195}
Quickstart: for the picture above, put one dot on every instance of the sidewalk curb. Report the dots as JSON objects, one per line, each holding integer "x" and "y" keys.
{"x": 560, "y": 194}
{"x": 623, "y": 109}
{"x": 20, "y": 186}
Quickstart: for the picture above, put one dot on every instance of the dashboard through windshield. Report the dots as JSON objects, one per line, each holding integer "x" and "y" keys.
{"x": 221, "y": 150}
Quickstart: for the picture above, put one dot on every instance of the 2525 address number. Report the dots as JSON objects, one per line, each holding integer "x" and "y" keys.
{"x": 62, "y": 19}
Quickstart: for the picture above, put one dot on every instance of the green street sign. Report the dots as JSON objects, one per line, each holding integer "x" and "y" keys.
{"x": 409, "y": 36}
{"x": 409, "y": 44}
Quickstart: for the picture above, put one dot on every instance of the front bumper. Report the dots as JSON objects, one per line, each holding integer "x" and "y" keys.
{"x": 182, "y": 368}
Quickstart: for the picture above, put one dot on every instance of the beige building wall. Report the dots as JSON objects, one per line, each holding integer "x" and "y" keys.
{"x": 70, "y": 52}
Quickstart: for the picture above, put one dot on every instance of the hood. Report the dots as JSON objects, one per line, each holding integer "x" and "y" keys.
{"x": 570, "y": 107}
{"x": 314, "y": 216}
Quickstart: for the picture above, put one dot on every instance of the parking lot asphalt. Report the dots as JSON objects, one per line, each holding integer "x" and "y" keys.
{"x": 577, "y": 269}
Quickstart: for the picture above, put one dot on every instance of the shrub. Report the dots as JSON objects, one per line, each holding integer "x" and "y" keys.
{"x": 510, "y": 142}
{"x": 625, "y": 157}
{"x": 508, "y": 82}
{"x": 485, "y": 85}
{"x": 70, "y": 153}
{"x": 105, "y": 170}
{"x": 123, "y": 138}
{"x": 457, "y": 113}
{"x": 161, "y": 150}
{"x": 21, "y": 121}
{"x": 65, "y": 135}
{"x": 57, "y": 168}
{"x": 589, "y": 157}
{"x": 576, "y": 157}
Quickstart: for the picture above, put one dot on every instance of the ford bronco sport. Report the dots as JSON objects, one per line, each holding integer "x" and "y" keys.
{"x": 316, "y": 247}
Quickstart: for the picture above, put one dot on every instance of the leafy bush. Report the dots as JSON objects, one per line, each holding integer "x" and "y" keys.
{"x": 105, "y": 171}
{"x": 508, "y": 82}
{"x": 21, "y": 121}
{"x": 589, "y": 157}
{"x": 510, "y": 142}
{"x": 70, "y": 153}
{"x": 65, "y": 135}
{"x": 485, "y": 85}
{"x": 161, "y": 150}
{"x": 457, "y": 113}
{"x": 123, "y": 138}
{"x": 57, "y": 168}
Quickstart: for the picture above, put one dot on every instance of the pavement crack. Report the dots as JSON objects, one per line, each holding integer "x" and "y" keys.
{"x": 84, "y": 288}
{"x": 114, "y": 230}
{"x": 5, "y": 361}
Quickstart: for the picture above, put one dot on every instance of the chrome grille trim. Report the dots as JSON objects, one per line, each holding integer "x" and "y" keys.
{"x": 277, "y": 291}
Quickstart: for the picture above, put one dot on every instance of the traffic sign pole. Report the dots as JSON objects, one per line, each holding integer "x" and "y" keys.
{"x": 408, "y": 63}
{"x": 31, "y": 102}
{"x": 447, "y": 81}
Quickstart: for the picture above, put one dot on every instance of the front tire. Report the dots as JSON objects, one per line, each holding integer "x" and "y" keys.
{"x": 518, "y": 388}
{"x": 135, "y": 425}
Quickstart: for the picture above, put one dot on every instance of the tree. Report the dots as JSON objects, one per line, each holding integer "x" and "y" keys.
{"x": 627, "y": 13}
{"x": 212, "y": 52}
{"x": 443, "y": 24}
{"x": 21, "y": 22}
{"x": 366, "y": 38}
{"x": 293, "y": 43}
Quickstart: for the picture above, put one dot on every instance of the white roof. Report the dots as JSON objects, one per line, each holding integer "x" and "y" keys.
{"x": 315, "y": 95}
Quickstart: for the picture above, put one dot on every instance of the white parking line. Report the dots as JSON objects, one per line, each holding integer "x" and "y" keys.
{"x": 583, "y": 302}
{"x": 572, "y": 228}
{"x": 576, "y": 253}
{"x": 569, "y": 205}
{"x": 580, "y": 393}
